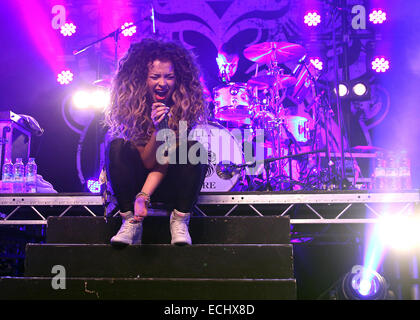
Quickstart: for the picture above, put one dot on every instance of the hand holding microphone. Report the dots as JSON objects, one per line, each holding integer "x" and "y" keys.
{"x": 159, "y": 115}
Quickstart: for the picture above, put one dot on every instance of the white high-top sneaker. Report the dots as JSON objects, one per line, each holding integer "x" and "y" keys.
{"x": 130, "y": 231}
{"x": 179, "y": 228}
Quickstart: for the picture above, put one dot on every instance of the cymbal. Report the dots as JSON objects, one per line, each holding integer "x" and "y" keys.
{"x": 279, "y": 52}
{"x": 105, "y": 83}
{"x": 273, "y": 51}
{"x": 266, "y": 81}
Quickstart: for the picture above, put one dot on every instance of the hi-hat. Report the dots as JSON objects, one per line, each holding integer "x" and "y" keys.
{"x": 279, "y": 52}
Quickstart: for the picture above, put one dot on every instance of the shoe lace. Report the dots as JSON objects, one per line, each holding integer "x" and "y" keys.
{"x": 128, "y": 227}
{"x": 180, "y": 227}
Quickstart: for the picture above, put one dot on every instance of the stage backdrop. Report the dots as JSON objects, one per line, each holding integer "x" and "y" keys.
{"x": 71, "y": 149}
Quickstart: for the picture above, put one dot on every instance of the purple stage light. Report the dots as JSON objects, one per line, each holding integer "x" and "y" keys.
{"x": 312, "y": 19}
{"x": 35, "y": 19}
{"x": 94, "y": 186}
{"x": 65, "y": 77}
{"x": 128, "y": 29}
{"x": 380, "y": 64}
{"x": 377, "y": 16}
{"x": 68, "y": 29}
{"x": 317, "y": 63}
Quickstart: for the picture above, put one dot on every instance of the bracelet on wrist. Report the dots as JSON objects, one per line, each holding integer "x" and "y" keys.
{"x": 145, "y": 196}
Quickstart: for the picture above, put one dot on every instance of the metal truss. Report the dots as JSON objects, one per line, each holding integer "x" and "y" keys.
{"x": 38, "y": 203}
{"x": 319, "y": 207}
{"x": 374, "y": 205}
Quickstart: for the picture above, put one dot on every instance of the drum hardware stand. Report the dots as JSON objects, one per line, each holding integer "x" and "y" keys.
{"x": 115, "y": 34}
{"x": 227, "y": 169}
{"x": 336, "y": 10}
{"x": 288, "y": 157}
{"x": 326, "y": 117}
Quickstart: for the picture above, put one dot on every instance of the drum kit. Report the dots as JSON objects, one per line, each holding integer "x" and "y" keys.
{"x": 266, "y": 136}
{"x": 262, "y": 106}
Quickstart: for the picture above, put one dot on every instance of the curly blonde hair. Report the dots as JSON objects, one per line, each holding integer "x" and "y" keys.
{"x": 128, "y": 115}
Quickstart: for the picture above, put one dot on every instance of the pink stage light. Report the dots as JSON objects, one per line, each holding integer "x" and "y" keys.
{"x": 380, "y": 64}
{"x": 317, "y": 63}
{"x": 128, "y": 29}
{"x": 68, "y": 29}
{"x": 94, "y": 186}
{"x": 377, "y": 16}
{"x": 312, "y": 19}
{"x": 65, "y": 77}
{"x": 36, "y": 21}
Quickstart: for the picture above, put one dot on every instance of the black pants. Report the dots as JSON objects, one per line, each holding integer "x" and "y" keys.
{"x": 178, "y": 189}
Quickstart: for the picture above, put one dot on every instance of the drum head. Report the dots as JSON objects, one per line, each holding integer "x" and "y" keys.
{"x": 224, "y": 152}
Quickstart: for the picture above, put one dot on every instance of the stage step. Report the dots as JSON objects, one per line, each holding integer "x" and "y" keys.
{"x": 40, "y": 288}
{"x": 203, "y": 230}
{"x": 263, "y": 261}
{"x": 242, "y": 258}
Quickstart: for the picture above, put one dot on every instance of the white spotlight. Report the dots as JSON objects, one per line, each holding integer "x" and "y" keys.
{"x": 97, "y": 99}
{"x": 342, "y": 90}
{"x": 399, "y": 231}
{"x": 100, "y": 99}
{"x": 359, "y": 89}
{"x": 81, "y": 99}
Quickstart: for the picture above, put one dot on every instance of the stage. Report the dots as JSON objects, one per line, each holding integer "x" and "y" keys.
{"x": 324, "y": 233}
{"x": 321, "y": 207}
{"x": 318, "y": 97}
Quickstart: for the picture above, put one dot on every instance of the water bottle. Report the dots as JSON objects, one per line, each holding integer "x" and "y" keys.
{"x": 7, "y": 176}
{"x": 19, "y": 176}
{"x": 30, "y": 175}
{"x": 392, "y": 172}
{"x": 405, "y": 171}
{"x": 380, "y": 172}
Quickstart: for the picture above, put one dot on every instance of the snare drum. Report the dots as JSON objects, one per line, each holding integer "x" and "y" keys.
{"x": 223, "y": 150}
{"x": 231, "y": 103}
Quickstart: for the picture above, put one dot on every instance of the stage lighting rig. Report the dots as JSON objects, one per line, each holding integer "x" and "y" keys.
{"x": 97, "y": 99}
{"x": 312, "y": 19}
{"x": 68, "y": 29}
{"x": 380, "y": 64}
{"x": 343, "y": 90}
{"x": 317, "y": 63}
{"x": 354, "y": 90}
{"x": 361, "y": 284}
{"x": 94, "y": 186}
{"x": 360, "y": 89}
{"x": 128, "y": 29}
{"x": 65, "y": 77}
{"x": 377, "y": 16}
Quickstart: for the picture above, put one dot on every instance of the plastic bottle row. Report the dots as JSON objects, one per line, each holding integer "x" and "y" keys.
{"x": 392, "y": 171}
{"x": 18, "y": 177}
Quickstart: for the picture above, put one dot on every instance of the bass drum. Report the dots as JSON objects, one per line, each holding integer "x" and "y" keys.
{"x": 224, "y": 151}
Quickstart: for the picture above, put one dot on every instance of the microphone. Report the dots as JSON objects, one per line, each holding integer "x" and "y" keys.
{"x": 164, "y": 123}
